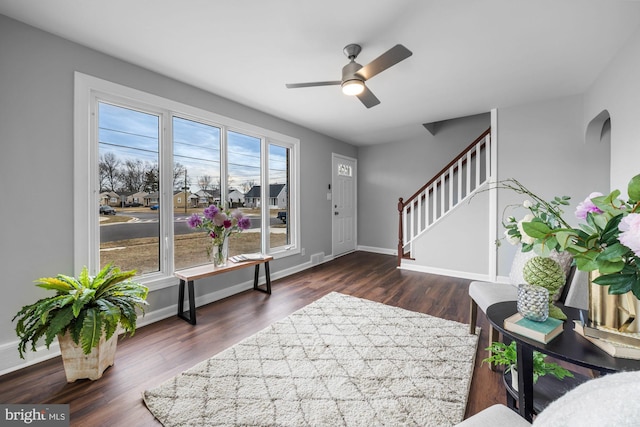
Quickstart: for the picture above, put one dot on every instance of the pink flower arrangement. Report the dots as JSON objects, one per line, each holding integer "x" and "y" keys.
{"x": 587, "y": 206}
{"x": 608, "y": 240}
{"x": 630, "y": 232}
{"x": 219, "y": 224}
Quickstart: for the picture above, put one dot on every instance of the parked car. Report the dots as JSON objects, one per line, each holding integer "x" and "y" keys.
{"x": 107, "y": 210}
{"x": 282, "y": 216}
{"x": 154, "y": 207}
{"x": 132, "y": 205}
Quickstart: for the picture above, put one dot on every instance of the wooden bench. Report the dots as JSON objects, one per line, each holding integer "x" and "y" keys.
{"x": 188, "y": 275}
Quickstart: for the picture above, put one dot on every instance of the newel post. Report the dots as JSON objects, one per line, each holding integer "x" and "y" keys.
{"x": 400, "y": 243}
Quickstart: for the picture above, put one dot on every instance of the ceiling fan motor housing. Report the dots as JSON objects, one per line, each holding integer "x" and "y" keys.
{"x": 351, "y": 51}
{"x": 349, "y": 71}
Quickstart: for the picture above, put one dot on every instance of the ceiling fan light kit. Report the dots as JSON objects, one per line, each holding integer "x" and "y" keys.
{"x": 353, "y": 87}
{"x": 354, "y": 75}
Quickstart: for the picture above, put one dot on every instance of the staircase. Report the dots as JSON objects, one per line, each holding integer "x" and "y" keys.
{"x": 455, "y": 183}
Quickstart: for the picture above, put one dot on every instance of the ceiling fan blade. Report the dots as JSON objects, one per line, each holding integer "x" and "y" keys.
{"x": 312, "y": 84}
{"x": 388, "y": 59}
{"x": 368, "y": 98}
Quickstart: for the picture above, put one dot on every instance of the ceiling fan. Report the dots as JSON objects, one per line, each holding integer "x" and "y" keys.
{"x": 354, "y": 75}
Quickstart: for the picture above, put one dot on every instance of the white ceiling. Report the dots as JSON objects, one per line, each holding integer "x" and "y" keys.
{"x": 469, "y": 56}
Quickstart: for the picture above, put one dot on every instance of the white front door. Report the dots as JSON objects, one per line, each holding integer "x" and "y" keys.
{"x": 343, "y": 204}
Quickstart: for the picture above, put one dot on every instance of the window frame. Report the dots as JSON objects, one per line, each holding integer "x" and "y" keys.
{"x": 89, "y": 91}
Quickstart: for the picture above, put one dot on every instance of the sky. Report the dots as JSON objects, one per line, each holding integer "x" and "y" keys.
{"x": 132, "y": 134}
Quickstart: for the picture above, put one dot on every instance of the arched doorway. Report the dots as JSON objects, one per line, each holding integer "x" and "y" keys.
{"x": 599, "y": 132}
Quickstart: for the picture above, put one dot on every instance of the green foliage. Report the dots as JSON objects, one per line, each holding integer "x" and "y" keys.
{"x": 502, "y": 354}
{"x": 633, "y": 189}
{"x": 85, "y": 306}
{"x": 594, "y": 244}
{"x": 532, "y": 231}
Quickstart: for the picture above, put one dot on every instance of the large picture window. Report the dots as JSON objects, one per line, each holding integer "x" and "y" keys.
{"x": 128, "y": 150}
{"x": 279, "y": 235}
{"x": 144, "y": 164}
{"x": 196, "y": 185}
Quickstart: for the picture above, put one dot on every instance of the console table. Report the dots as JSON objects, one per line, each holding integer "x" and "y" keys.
{"x": 568, "y": 346}
{"x": 188, "y": 275}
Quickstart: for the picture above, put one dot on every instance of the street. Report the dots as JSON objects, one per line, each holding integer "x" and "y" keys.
{"x": 147, "y": 226}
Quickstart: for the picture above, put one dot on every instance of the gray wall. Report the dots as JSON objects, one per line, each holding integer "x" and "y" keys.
{"x": 617, "y": 90}
{"x": 542, "y": 146}
{"x": 36, "y": 164}
{"x": 389, "y": 171}
{"x": 457, "y": 245}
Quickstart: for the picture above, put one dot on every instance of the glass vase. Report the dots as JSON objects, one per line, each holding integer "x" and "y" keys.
{"x": 533, "y": 302}
{"x": 220, "y": 254}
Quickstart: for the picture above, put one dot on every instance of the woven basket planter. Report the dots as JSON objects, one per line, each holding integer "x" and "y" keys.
{"x": 78, "y": 365}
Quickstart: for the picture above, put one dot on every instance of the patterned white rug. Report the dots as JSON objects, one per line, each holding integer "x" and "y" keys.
{"x": 340, "y": 361}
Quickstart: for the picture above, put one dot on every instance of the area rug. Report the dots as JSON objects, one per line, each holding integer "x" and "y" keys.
{"x": 340, "y": 361}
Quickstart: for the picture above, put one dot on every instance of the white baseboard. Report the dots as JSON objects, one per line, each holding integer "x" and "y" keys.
{"x": 445, "y": 272}
{"x": 375, "y": 250}
{"x": 10, "y": 360}
{"x": 503, "y": 279}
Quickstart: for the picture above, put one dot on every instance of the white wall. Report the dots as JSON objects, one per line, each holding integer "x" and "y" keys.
{"x": 617, "y": 90}
{"x": 36, "y": 166}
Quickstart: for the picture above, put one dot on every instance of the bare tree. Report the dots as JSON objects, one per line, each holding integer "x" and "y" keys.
{"x": 204, "y": 182}
{"x": 109, "y": 166}
{"x": 178, "y": 176}
{"x": 133, "y": 175}
{"x": 151, "y": 179}
{"x": 247, "y": 185}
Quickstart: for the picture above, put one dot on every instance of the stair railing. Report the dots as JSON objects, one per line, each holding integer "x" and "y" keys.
{"x": 457, "y": 181}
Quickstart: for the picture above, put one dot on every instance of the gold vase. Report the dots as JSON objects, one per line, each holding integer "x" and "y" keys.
{"x": 614, "y": 312}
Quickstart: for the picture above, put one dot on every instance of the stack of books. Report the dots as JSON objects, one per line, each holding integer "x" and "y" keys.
{"x": 539, "y": 331}
{"x": 247, "y": 257}
{"x": 612, "y": 346}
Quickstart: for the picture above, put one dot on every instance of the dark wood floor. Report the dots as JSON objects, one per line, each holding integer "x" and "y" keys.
{"x": 159, "y": 351}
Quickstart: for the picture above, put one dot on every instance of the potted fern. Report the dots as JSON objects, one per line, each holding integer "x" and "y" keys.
{"x": 84, "y": 314}
{"x": 502, "y": 354}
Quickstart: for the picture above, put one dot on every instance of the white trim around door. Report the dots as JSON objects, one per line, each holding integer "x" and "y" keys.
{"x": 344, "y": 223}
